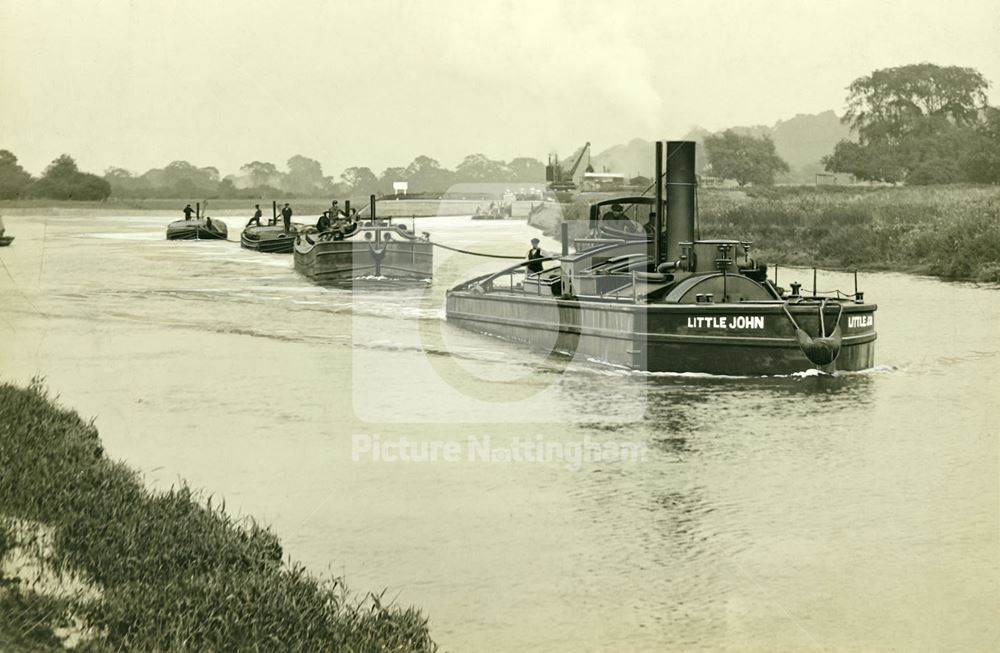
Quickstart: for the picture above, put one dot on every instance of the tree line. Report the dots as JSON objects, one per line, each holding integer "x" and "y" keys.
{"x": 918, "y": 124}
{"x": 62, "y": 180}
{"x": 304, "y": 177}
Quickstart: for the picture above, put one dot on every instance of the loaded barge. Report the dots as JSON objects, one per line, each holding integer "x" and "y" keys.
{"x": 369, "y": 248}
{"x": 642, "y": 292}
{"x": 200, "y": 228}
{"x": 271, "y": 237}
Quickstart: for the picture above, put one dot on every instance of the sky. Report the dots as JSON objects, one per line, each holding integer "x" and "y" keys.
{"x": 141, "y": 83}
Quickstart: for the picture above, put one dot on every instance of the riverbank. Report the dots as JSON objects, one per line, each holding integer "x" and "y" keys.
{"x": 952, "y": 232}
{"x": 90, "y": 555}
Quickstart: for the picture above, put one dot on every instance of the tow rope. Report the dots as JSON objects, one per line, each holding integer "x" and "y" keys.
{"x": 465, "y": 251}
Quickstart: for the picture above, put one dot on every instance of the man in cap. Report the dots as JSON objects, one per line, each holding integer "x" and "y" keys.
{"x": 535, "y": 257}
{"x": 323, "y": 224}
{"x": 286, "y": 215}
{"x": 187, "y": 212}
{"x": 616, "y": 213}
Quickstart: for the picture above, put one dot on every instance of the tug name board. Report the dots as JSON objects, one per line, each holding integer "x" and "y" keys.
{"x": 855, "y": 321}
{"x": 727, "y": 322}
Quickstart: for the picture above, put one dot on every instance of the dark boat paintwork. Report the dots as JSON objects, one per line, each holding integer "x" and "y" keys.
{"x": 198, "y": 229}
{"x": 270, "y": 238}
{"x": 375, "y": 249}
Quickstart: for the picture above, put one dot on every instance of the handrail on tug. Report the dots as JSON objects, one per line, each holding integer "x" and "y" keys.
{"x": 487, "y": 279}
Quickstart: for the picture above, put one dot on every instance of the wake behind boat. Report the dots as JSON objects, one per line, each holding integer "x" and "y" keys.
{"x": 642, "y": 292}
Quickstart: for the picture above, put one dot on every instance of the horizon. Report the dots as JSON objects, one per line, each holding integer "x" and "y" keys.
{"x": 121, "y": 85}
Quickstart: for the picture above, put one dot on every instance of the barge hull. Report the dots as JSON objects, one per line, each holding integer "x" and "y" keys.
{"x": 336, "y": 262}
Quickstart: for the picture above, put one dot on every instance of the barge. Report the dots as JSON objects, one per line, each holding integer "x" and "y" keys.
{"x": 368, "y": 248}
{"x": 199, "y": 228}
{"x": 271, "y": 237}
{"x": 642, "y": 292}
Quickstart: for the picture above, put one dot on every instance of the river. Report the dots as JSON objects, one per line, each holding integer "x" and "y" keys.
{"x": 806, "y": 513}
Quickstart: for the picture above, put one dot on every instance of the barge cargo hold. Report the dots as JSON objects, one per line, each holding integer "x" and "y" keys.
{"x": 642, "y": 292}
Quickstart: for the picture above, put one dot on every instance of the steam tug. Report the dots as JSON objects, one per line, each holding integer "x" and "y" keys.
{"x": 643, "y": 293}
{"x": 201, "y": 228}
{"x": 370, "y": 248}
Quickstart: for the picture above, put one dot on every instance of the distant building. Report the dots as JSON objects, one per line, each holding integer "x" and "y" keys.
{"x": 400, "y": 187}
{"x": 602, "y": 181}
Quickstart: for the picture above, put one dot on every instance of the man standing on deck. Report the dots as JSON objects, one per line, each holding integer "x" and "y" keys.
{"x": 286, "y": 215}
{"x": 535, "y": 257}
{"x": 256, "y": 216}
{"x": 187, "y": 212}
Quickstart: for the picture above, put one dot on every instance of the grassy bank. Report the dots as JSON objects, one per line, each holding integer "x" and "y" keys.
{"x": 949, "y": 231}
{"x": 162, "y": 571}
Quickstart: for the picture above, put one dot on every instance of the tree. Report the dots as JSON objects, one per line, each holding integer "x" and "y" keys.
{"x": 891, "y": 102}
{"x": 426, "y": 175}
{"x": 14, "y": 180}
{"x": 63, "y": 180}
{"x": 360, "y": 180}
{"x": 917, "y": 123}
{"x": 261, "y": 173}
{"x": 479, "y": 167}
{"x": 746, "y": 159}
{"x": 388, "y": 177}
{"x": 124, "y": 183}
{"x": 981, "y": 162}
{"x": 526, "y": 170}
{"x": 305, "y": 176}
{"x": 866, "y": 162}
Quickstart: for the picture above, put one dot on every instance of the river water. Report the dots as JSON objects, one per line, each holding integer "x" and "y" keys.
{"x": 852, "y": 512}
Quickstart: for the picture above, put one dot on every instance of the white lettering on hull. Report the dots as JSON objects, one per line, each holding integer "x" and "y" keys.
{"x": 859, "y": 321}
{"x": 726, "y": 322}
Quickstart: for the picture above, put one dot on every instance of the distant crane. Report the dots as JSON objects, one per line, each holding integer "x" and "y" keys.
{"x": 562, "y": 181}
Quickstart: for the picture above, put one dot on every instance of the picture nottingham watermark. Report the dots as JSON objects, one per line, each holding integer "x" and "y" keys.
{"x": 571, "y": 454}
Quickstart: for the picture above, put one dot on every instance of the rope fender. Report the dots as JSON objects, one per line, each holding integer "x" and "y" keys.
{"x": 822, "y": 350}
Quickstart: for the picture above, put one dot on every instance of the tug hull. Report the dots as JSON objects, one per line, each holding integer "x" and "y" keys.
{"x": 747, "y": 339}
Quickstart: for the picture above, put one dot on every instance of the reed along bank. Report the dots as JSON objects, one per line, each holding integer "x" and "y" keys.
{"x": 118, "y": 567}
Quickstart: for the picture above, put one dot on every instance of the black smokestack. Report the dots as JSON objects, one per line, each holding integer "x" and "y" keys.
{"x": 658, "y": 224}
{"x": 680, "y": 196}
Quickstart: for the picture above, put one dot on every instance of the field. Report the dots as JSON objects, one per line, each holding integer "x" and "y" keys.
{"x": 91, "y": 557}
{"x": 948, "y": 231}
